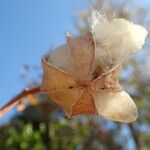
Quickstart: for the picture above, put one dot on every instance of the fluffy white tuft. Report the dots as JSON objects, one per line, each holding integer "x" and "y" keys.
{"x": 115, "y": 40}
{"x": 60, "y": 58}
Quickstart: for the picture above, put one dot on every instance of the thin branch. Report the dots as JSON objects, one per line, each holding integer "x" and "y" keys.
{"x": 135, "y": 136}
{"x": 18, "y": 98}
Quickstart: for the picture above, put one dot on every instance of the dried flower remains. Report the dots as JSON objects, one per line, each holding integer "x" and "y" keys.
{"x": 82, "y": 76}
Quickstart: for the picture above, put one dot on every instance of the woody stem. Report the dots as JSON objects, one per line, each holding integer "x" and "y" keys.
{"x": 18, "y": 98}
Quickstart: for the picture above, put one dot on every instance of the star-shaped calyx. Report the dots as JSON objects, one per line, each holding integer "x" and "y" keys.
{"x": 85, "y": 89}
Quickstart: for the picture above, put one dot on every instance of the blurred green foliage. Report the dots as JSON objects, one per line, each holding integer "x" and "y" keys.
{"x": 45, "y": 127}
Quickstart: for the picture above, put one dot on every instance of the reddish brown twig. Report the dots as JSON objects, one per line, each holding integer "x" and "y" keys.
{"x": 18, "y": 98}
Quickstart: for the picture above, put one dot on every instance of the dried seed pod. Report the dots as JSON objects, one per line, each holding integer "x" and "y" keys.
{"x": 81, "y": 91}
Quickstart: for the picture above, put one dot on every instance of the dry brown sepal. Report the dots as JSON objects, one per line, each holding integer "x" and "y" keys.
{"x": 83, "y": 91}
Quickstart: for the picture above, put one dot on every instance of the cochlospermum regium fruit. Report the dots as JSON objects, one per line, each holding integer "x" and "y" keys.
{"x": 82, "y": 76}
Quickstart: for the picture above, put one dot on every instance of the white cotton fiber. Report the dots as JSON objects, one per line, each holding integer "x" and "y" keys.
{"x": 60, "y": 58}
{"x": 116, "y": 40}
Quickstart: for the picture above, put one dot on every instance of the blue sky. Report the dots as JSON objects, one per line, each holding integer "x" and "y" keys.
{"x": 28, "y": 28}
